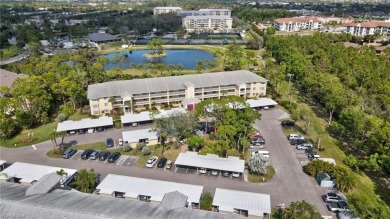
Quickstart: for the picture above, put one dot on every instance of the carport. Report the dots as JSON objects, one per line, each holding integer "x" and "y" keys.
{"x": 147, "y": 117}
{"x": 261, "y": 103}
{"x": 146, "y": 136}
{"x": 88, "y": 123}
{"x": 191, "y": 159}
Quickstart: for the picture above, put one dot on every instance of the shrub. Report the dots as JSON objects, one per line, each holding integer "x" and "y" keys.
{"x": 67, "y": 109}
{"x": 126, "y": 147}
{"x": 286, "y": 104}
{"x": 146, "y": 150}
{"x": 62, "y": 117}
{"x": 206, "y": 201}
{"x": 117, "y": 124}
{"x": 212, "y": 136}
{"x": 318, "y": 166}
{"x": 352, "y": 162}
{"x": 140, "y": 146}
{"x": 259, "y": 164}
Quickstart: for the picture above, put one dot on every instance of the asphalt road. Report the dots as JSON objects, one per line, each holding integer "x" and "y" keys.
{"x": 289, "y": 183}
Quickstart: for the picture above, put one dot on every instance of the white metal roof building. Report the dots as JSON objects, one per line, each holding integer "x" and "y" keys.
{"x": 85, "y": 124}
{"x": 148, "y": 116}
{"x": 30, "y": 173}
{"x": 210, "y": 161}
{"x": 261, "y": 102}
{"x": 245, "y": 203}
{"x": 136, "y": 135}
{"x": 134, "y": 187}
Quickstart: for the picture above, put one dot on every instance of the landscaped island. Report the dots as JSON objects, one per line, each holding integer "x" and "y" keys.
{"x": 157, "y": 49}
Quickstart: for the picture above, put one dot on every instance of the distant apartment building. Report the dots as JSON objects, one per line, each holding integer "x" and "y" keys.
{"x": 165, "y": 10}
{"x": 368, "y": 28}
{"x": 215, "y": 20}
{"x": 139, "y": 94}
{"x": 294, "y": 24}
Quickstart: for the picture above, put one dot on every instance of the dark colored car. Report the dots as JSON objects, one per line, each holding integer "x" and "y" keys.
{"x": 95, "y": 155}
{"x": 68, "y": 153}
{"x": 313, "y": 155}
{"x": 104, "y": 155}
{"x": 287, "y": 123}
{"x": 113, "y": 157}
{"x": 161, "y": 163}
{"x": 82, "y": 131}
{"x": 225, "y": 173}
{"x": 258, "y": 141}
{"x": 337, "y": 207}
{"x": 298, "y": 141}
{"x": 309, "y": 150}
{"x": 99, "y": 129}
{"x": 86, "y": 154}
{"x": 110, "y": 142}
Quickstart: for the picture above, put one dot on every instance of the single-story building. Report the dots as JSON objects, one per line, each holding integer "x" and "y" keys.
{"x": 146, "y": 117}
{"x": 191, "y": 159}
{"x": 27, "y": 173}
{"x": 146, "y": 136}
{"x": 88, "y": 123}
{"x": 7, "y": 77}
{"x": 248, "y": 204}
{"x": 148, "y": 190}
{"x": 102, "y": 38}
{"x": 69, "y": 204}
{"x": 324, "y": 180}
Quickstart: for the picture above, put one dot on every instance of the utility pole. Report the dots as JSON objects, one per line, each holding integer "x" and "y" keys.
{"x": 289, "y": 85}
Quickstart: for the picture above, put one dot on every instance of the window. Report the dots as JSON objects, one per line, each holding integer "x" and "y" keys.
{"x": 106, "y": 104}
{"x": 254, "y": 88}
{"x": 95, "y": 112}
{"x": 94, "y": 106}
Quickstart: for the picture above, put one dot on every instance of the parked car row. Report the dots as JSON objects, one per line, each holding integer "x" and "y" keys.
{"x": 216, "y": 173}
{"x": 84, "y": 131}
{"x": 161, "y": 163}
{"x": 301, "y": 143}
{"x": 335, "y": 203}
{"x": 93, "y": 155}
{"x": 258, "y": 141}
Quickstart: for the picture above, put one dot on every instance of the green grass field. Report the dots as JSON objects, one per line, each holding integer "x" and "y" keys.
{"x": 9, "y": 52}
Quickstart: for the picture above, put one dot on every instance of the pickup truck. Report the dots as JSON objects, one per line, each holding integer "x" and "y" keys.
{"x": 338, "y": 206}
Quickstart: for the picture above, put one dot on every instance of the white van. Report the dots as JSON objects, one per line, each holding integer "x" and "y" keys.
{"x": 264, "y": 153}
{"x": 294, "y": 136}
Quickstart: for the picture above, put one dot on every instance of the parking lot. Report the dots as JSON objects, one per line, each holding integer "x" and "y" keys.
{"x": 123, "y": 160}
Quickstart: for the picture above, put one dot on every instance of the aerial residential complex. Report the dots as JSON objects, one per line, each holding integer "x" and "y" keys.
{"x": 164, "y": 10}
{"x": 140, "y": 94}
{"x": 207, "y": 20}
{"x": 297, "y": 23}
{"x": 369, "y": 28}
{"x": 216, "y": 20}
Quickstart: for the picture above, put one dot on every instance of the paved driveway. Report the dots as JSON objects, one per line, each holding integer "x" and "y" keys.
{"x": 289, "y": 183}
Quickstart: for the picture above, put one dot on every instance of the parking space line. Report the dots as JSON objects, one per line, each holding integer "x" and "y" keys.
{"x": 74, "y": 155}
{"x": 122, "y": 159}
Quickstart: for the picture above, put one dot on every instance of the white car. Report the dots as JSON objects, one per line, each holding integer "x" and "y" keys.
{"x": 202, "y": 170}
{"x": 294, "y": 136}
{"x": 120, "y": 142}
{"x": 152, "y": 161}
{"x": 214, "y": 172}
{"x": 90, "y": 131}
{"x": 235, "y": 175}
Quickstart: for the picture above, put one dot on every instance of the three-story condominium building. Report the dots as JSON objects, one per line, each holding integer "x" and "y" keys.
{"x": 294, "y": 24}
{"x": 139, "y": 94}
{"x": 369, "y": 28}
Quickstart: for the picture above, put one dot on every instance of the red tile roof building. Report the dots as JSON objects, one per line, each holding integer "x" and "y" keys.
{"x": 368, "y": 28}
{"x": 297, "y": 23}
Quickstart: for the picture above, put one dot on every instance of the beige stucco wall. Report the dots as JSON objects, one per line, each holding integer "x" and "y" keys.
{"x": 258, "y": 89}
{"x": 101, "y": 106}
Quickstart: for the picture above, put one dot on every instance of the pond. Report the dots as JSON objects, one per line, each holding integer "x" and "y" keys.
{"x": 186, "y": 57}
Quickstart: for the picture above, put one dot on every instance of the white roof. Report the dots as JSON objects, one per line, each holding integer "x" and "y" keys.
{"x": 255, "y": 203}
{"x": 329, "y": 160}
{"x": 211, "y": 161}
{"x": 156, "y": 189}
{"x": 2, "y": 162}
{"x": 147, "y": 116}
{"x": 136, "y": 135}
{"x": 84, "y": 123}
{"x": 28, "y": 172}
{"x": 261, "y": 102}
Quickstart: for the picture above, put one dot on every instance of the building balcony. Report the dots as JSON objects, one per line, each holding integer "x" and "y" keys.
{"x": 176, "y": 93}
{"x": 141, "y": 96}
{"x": 158, "y": 94}
{"x": 137, "y": 103}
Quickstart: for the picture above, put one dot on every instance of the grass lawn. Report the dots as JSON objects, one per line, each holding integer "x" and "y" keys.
{"x": 170, "y": 153}
{"x": 261, "y": 178}
{"x": 40, "y": 134}
{"x": 78, "y": 116}
{"x": 9, "y": 52}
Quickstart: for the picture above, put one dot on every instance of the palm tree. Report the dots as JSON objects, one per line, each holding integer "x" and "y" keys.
{"x": 62, "y": 172}
{"x": 180, "y": 67}
{"x": 53, "y": 138}
{"x": 199, "y": 66}
{"x": 85, "y": 181}
{"x": 133, "y": 65}
{"x": 171, "y": 68}
{"x": 62, "y": 135}
{"x": 161, "y": 67}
